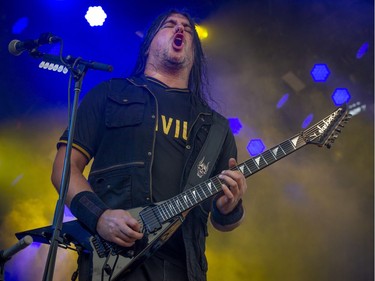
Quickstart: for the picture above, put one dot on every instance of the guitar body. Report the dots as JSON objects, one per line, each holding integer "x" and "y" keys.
{"x": 115, "y": 265}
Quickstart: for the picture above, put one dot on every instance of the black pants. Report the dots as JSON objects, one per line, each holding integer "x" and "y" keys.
{"x": 157, "y": 269}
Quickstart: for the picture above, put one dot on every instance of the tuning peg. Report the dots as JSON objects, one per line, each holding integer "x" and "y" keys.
{"x": 328, "y": 145}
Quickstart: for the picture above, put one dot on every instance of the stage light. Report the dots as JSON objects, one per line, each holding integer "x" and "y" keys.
{"x": 320, "y": 72}
{"x": 362, "y": 50}
{"x": 340, "y": 96}
{"x": 235, "y": 125}
{"x": 282, "y": 101}
{"x": 202, "y": 32}
{"x": 356, "y": 108}
{"x": 255, "y": 147}
{"x": 20, "y": 25}
{"x": 95, "y": 16}
{"x": 307, "y": 121}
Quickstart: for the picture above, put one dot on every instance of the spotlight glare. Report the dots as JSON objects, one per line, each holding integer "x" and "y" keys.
{"x": 202, "y": 32}
{"x": 95, "y": 16}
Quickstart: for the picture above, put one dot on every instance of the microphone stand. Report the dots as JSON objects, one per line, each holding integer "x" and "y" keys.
{"x": 78, "y": 68}
{"x": 78, "y": 75}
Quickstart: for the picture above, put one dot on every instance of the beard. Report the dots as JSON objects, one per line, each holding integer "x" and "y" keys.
{"x": 174, "y": 60}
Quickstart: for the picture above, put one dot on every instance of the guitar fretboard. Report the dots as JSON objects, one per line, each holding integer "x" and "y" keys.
{"x": 197, "y": 194}
{"x": 319, "y": 133}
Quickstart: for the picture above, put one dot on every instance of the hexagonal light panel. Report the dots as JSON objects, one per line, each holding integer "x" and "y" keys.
{"x": 320, "y": 72}
{"x": 340, "y": 96}
{"x": 255, "y": 147}
{"x": 235, "y": 125}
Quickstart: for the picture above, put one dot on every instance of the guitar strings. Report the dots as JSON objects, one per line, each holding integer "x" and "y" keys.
{"x": 156, "y": 217}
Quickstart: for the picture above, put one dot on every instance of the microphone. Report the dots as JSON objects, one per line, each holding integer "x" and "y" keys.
{"x": 17, "y": 47}
{"x": 20, "y": 245}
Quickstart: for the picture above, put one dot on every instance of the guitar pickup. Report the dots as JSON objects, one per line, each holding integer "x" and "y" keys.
{"x": 150, "y": 220}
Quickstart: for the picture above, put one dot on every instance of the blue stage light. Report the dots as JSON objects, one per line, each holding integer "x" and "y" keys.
{"x": 95, "y": 16}
{"x": 362, "y": 50}
{"x": 255, "y": 147}
{"x": 20, "y": 25}
{"x": 307, "y": 121}
{"x": 340, "y": 96}
{"x": 235, "y": 125}
{"x": 320, "y": 72}
{"x": 282, "y": 101}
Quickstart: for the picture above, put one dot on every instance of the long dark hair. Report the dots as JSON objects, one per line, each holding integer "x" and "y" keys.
{"x": 198, "y": 80}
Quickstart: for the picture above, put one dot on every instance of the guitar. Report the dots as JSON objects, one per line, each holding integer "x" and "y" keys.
{"x": 161, "y": 220}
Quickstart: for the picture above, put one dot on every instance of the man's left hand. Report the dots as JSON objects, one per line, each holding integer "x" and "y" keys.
{"x": 234, "y": 187}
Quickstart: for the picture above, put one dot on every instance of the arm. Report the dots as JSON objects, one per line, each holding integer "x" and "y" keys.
{"x": 113, "y": 225}
{"x": 228, "y": 211}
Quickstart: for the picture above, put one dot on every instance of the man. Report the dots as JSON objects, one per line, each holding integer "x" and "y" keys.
{"x": 145, "y": 134}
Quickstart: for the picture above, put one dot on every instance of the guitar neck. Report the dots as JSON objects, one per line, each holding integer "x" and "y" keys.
{"x": 322, "y": 133}
{"x": 197, "y": 194}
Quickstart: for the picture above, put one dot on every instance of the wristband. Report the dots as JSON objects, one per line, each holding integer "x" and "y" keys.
{"x": 87, "y": 207}
{"x": 234, "y": 216}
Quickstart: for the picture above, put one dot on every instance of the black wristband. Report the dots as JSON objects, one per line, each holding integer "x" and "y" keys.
{"x": 234, "y": 216}
{"x": 87, "y": 207}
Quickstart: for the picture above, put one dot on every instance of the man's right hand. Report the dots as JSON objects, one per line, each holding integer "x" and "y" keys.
{"x": 120, "y": 227}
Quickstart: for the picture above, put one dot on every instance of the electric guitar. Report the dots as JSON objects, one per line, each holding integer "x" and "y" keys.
{"x": 160, "y": 220}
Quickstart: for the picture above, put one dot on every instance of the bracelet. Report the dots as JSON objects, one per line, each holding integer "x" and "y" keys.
{"x": 234, "y": 216}
{"x": 87, "y": 207}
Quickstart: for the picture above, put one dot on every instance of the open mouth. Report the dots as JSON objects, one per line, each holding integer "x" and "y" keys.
{"x": 178, "y": 41}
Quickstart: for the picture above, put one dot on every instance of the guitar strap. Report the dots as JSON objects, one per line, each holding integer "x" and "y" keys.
{"x": 205, "y": 162}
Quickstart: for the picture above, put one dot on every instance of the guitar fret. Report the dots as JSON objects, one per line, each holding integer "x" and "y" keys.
{"x": 183, "y": 203}
{"x": 169, "y": 210}
{"x": 189, "y": 200}
{"x": 172, "y": 208}
{"x": 186, "y": 200}
{"x": 201, "y": 193}
{"x": 278, "y": 152}
{"x": 190, "y": 195}
{"x": 264, "y": 159}
{"x": 217, "y": 183}
{"x": 209, "y": 185}
{"x": 245, "y": 169}
{"x": 178, "y": 205}
{"x": 205, "y": 195}
{"x": 269, "y": 156}
{"x": 161, "y": 212}
{"x": 287, "y": 147}
{"x": 200, "y": 198}
{"x": 253, "y": 167}
{"x": 195, "y": 194}
{"x": 257, "y": 162}
{"x": 166, "y": 211}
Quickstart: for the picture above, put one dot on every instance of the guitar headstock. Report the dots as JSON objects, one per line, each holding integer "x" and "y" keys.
{"x": 326, "y": 131}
